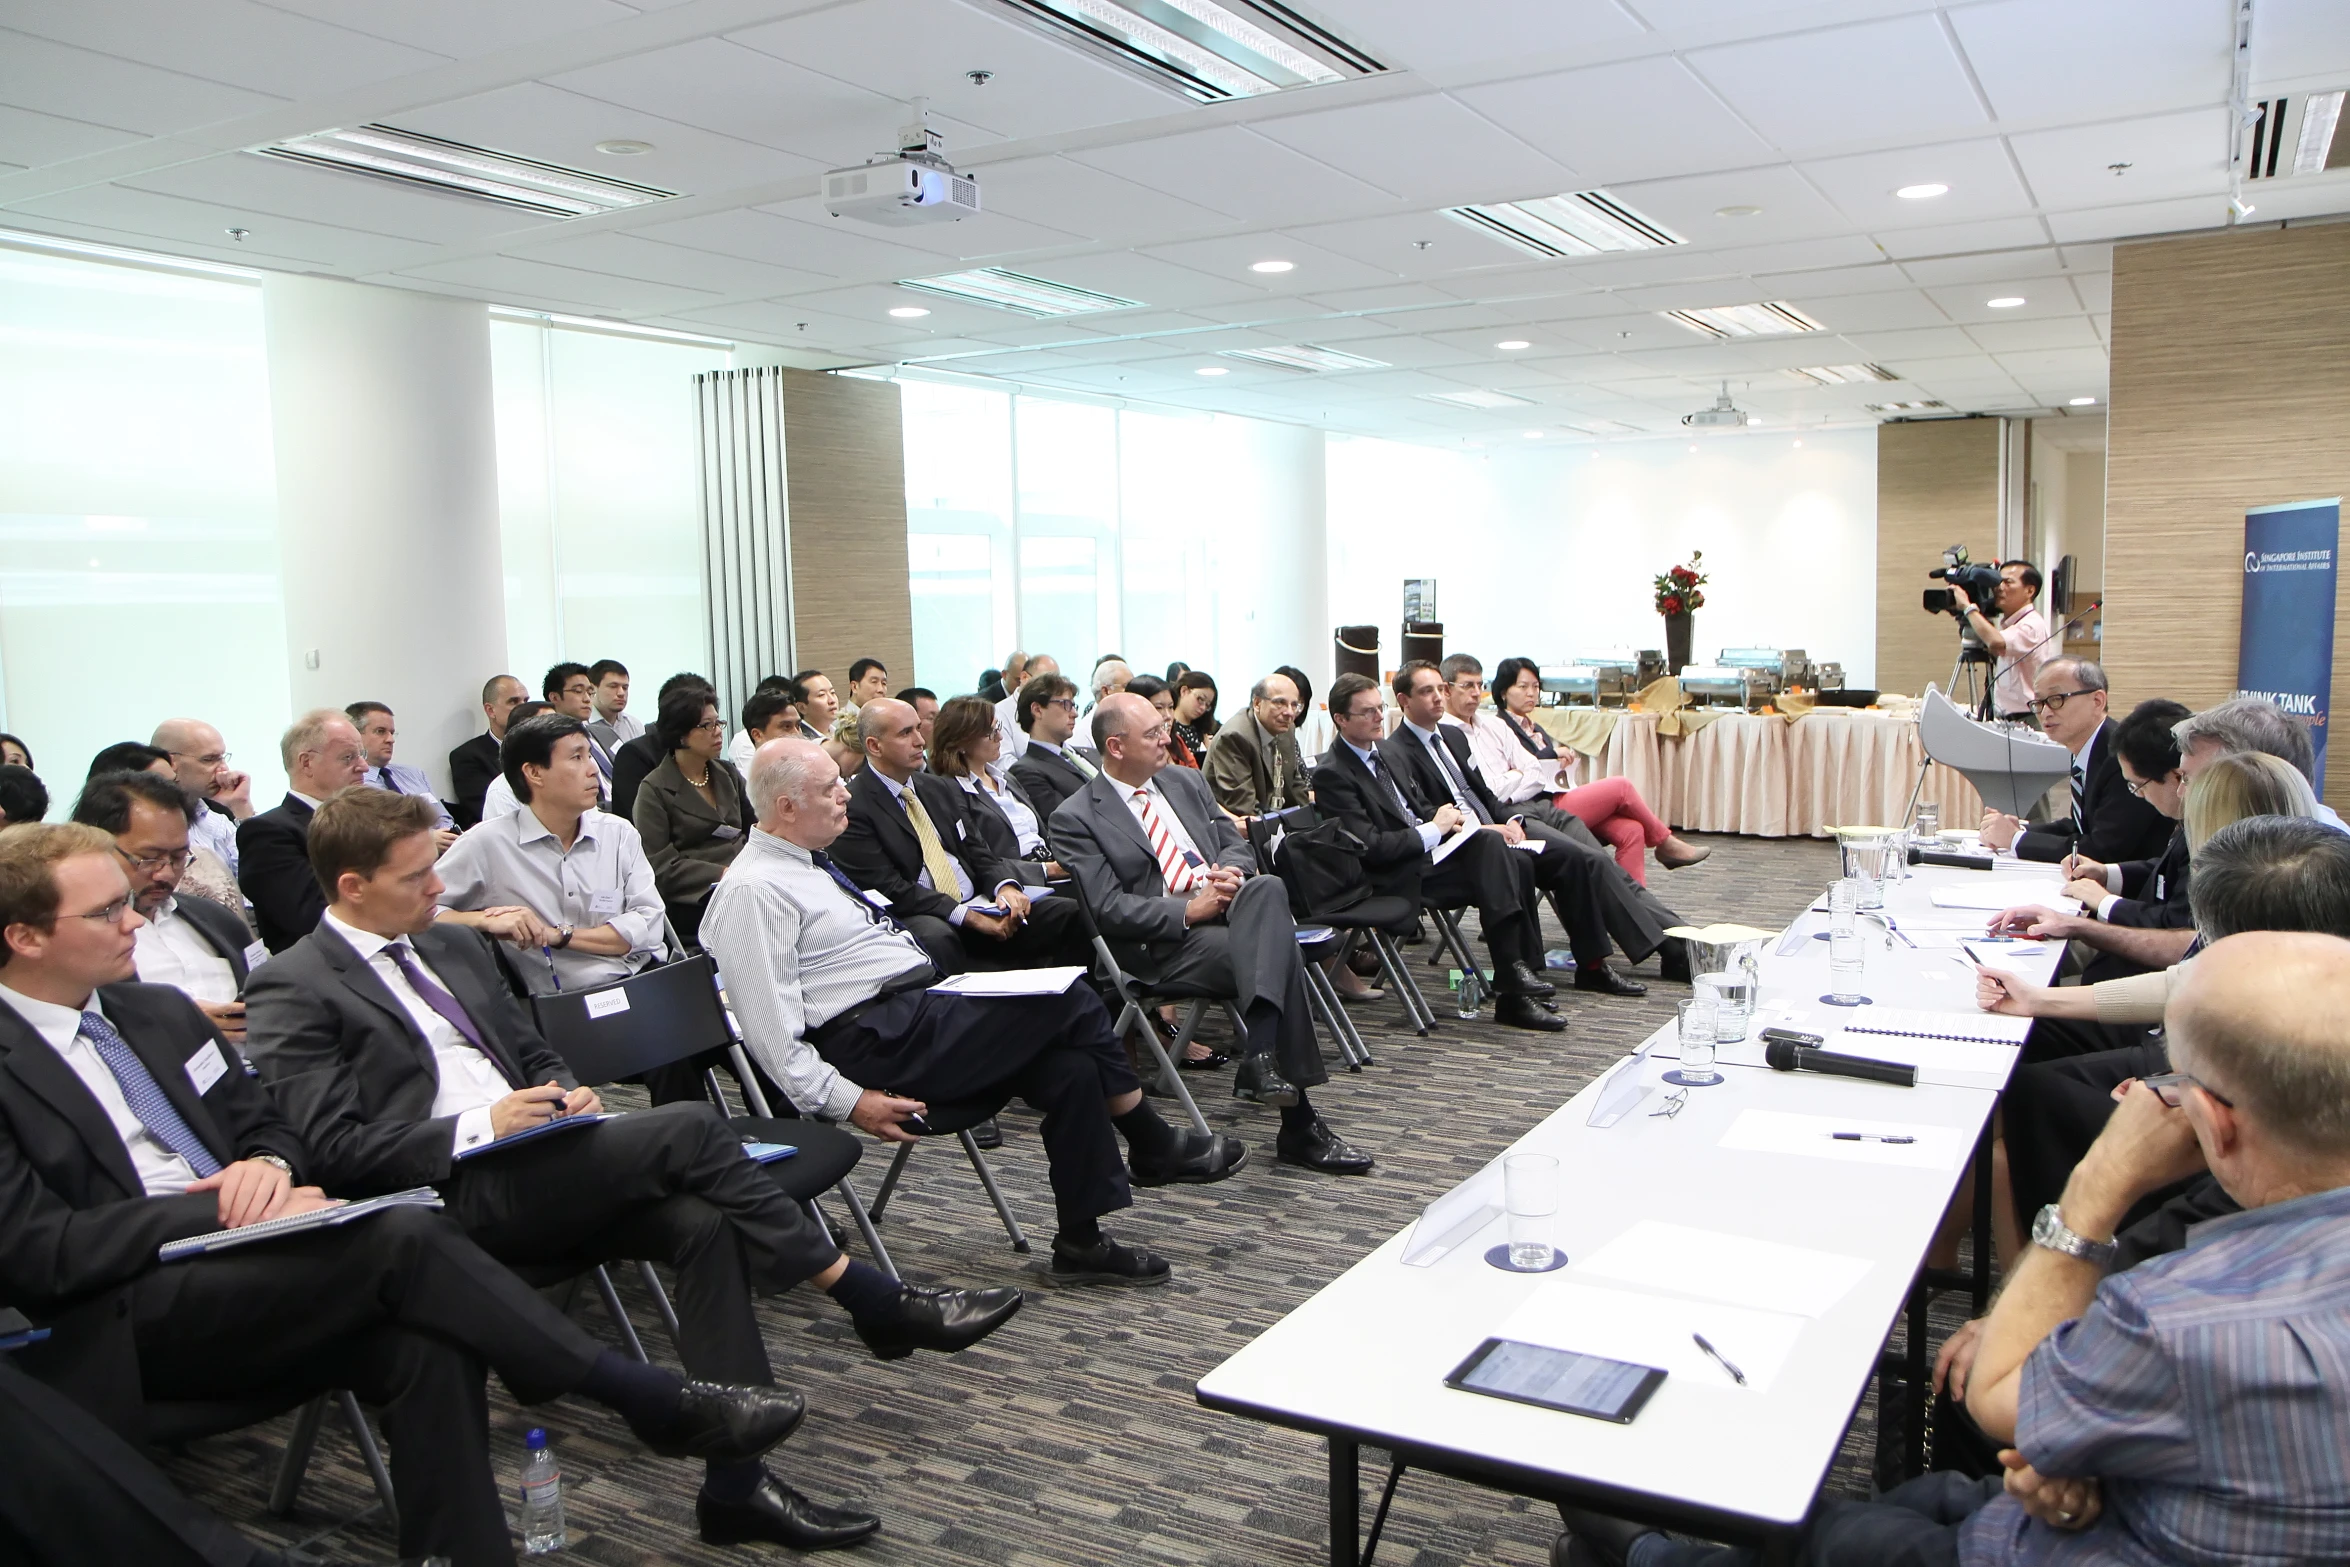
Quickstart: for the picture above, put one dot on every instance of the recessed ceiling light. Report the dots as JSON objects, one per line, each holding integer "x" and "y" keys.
{"x": 1799, "y": 444}
{"x": 2083, "y": 402}
{"x": 624, "y": 149}
{"x": 1212, "y": 370}
{"x": 1272, "y": 266}
{"x": 1737, "y": 212}
{"x": 1580, "y": 223}
{"x": 1512, "y": 345}
{"x": 908, "y": 312}
{"x": 1771, "y": 319}
{"x": 1208, "y": 50}
{"x": 1533, "y": 435}
{"x": 1480, "y": 399}
{"x": 1305, "y": 356}
{"x": 386, "y": 153}
{"x": 1032, "y": 296}
{"x": 1922, "y": 192}
{"x": 2005, "y": 301}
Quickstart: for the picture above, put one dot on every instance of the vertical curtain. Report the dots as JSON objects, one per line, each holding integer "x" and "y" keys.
{"x": 746, "y": 534}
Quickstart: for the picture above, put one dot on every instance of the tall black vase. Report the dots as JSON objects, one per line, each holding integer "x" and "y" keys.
{"x": 1677, "y": 633}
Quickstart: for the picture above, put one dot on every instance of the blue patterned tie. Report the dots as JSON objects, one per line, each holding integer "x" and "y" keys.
{"x": 145, "y": 1096}
{"x": 873, "y": 911}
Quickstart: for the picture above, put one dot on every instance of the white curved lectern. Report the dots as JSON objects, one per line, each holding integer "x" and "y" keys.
{"x": 2009, "y": 765}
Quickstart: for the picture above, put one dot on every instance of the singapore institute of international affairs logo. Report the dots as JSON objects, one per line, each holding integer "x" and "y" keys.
{"x": 2252, "y": 562}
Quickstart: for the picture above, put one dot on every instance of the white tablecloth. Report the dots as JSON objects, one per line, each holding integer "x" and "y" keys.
{"x": 1764, "y": 775}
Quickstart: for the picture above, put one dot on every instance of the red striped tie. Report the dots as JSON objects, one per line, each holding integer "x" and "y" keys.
{"x": 1179, "y": 876}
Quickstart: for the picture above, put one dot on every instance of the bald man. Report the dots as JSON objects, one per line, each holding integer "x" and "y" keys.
{"x": 200, "y": 761}
{"x": 2195, "y": 1407}
{"x": 322, "y": 753}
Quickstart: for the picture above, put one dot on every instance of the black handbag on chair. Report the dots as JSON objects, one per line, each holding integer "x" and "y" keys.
{"x": 1319, "y": 861}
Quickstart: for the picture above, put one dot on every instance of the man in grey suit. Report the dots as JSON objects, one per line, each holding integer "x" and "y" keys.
{"x": 1167, "y": 877}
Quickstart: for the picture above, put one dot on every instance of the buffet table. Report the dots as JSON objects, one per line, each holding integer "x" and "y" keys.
{"x": 1714, "y": 770}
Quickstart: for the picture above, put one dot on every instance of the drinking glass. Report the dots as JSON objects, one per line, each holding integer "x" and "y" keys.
{"x": 1843, "y": 899}
{"x": 1699, "y": 1023}
{"x": 1929, "y": 821}
{"x": 1864, "y": 867}
{"x": 1847, "y": 960}
{"x": 1732, "y": 993}
{"x": 1530, "y": 1182}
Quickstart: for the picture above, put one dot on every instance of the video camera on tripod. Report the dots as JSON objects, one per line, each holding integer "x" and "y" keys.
{"x": 1978, "y": 580}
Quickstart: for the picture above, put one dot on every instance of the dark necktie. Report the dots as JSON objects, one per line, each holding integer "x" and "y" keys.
{"x": 873, "y": 912}
{"x": 438, "y": 999}
{"x": 2080, "y": 788}
{"x": 145, "y": 1096}
{"x": 1455, "y": 782}
{"x": 1411, "y": 817}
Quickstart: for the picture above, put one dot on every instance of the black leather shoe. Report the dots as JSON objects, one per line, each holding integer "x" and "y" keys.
{"x": 1672, "y": 960}
{"x": 725, "y": 1423}
{"x": 1609, "y": 1539}
{"x": 987, "y": 1134}
{"x": 1107, "y": 1262}
{"x": 1319, "y": 1148}
{"x": 1257, "y": 1079}
{"x": 1527, "y": 1013}
{"x": 944, "y": 1320}
{"x": 780, "y": 1515}
{"x": 1214, "y": 1060}
{"x": 1605, "y": 981}
{"x": 1197, "y": 1161}
{"x": 1524, "y": 980}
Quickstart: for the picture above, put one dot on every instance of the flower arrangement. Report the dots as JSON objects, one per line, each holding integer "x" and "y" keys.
{"x": 1682, "y": 589}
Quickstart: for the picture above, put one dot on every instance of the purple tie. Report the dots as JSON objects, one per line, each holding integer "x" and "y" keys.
{"x": 437, "y": 998}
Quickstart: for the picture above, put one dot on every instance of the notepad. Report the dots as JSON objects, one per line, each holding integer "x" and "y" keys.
{"x": 1651, "y": 1331}
{"x": 2002, "y": 893}
{"x": 1680, "y": 1260}
{"x": 547, "y": 1128}
{"x": 1449, "y": 847}
{"x": 1011, "y": 982}
{"x": 298, "y": 1224}
{"x": 1988, "y": 1028}
{"x": 1784, "y": 1132}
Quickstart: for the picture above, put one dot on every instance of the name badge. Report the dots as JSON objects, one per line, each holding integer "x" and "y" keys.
{"x": 256, "y": 955}
{"x": 879, "y": 900}
{"x": 962, "y": 830}
{"x": 207, "y": 1067}
{"x": 603, "y": 905}
{"x": 606, "y": 1002}
{"x": 725, "y": 831}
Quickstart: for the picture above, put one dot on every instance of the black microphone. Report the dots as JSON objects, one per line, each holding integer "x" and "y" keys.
{"x": 1786, "y": 1057}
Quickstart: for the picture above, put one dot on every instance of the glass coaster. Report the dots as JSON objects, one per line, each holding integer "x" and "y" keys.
{"x": 1857, "y": 1001}
{"x": 1687, "y": 1079}
{"x": 1499, "y": 1257}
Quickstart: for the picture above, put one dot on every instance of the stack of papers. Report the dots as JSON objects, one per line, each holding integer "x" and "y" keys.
{"x": 1011, "y": 982}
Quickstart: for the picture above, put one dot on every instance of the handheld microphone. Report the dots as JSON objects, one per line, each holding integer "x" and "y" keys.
{"x": 1786, "y": 1057}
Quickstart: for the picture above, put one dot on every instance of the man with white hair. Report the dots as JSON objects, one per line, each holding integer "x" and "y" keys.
{"x": 1110, "y": 676}
{"x": 322, "y": 753}
{"x": 199, "y": 759}
{"x": 834, "y": 1000}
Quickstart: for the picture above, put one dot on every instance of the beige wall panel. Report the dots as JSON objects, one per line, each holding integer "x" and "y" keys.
{"x": 1937, "y": 485}
{"x": 847, "y": 482}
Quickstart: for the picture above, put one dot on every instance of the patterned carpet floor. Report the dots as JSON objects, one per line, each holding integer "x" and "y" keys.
{"x": 1071, "y": 1438}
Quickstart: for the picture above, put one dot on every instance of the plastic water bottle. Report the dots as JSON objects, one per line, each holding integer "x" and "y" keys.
{"x": 542, "y": 1498}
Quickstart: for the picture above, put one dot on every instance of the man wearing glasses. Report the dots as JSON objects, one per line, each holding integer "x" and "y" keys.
{"x": 2106, "y": 822}
{"x": 193, "y": 944}
{"x": 200, "y": 758}
{"x": 1049, "y": 767}
{"x": 1253, "y": 763}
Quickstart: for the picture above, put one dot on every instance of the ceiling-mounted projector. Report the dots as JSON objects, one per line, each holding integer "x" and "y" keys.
{"x": 912, "y": 185}
{"x": 1723, "y": 415}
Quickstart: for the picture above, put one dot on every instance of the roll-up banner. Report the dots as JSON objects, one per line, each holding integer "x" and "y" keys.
{"x": 2286, "y": 649}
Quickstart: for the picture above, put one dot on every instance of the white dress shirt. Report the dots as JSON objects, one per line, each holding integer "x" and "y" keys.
{"x": 1008, "y": 729}
{"x": 602, "y": 879}
{"x": 740, "y": 750}
{"x": 170, "y": 951}
{"x": 1025, "y": 827}
{"x": 470, "y": 1081}
{"x": 217, "y": 831}
{"x": 162, "y": 1172}
{"x": 498, "y": 800}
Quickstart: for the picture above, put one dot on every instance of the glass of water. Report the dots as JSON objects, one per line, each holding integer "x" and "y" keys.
{"x": 1843, "y": 899}
{"x": 1700, "y": 1019}
{"x": 1732, "y": 993}
{"x": 1848, "y": 956}
{"x": 1928, "y": 825}
{"x": 1530, "y": 1182}
{"x": 1864, "y": 867}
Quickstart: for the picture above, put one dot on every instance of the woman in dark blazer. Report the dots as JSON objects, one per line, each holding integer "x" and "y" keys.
{"x": 965, "y": 746}
{"x": 692, "y": 810}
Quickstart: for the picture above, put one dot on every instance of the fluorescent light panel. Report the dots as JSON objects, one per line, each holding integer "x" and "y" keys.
{"x": 1208, "y": 50}
{"x": 1843, "y": 375}
{"x": 390, "y": 154}
{"x": 1919, "y": 406}
{"x": 1031, "y": 296}
{"x": 1305, "y": 356}
{"x": 1774, "y": 319}
{"x": 2321, "y": 112}
{"x": 1579, "y": 223}
{"x": 1480, "y": 399}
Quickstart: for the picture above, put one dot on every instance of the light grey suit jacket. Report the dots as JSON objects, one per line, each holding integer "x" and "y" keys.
{"x": 1096, "y": 838}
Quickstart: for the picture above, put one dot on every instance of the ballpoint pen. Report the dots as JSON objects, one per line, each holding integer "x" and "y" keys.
{"x": 1871, "y": 1137}
{"x": 1721, "y": 1359}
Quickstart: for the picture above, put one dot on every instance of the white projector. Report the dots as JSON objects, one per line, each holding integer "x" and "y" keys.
{"x": 1723, "y": 415}
{"x": 899, "y": 192}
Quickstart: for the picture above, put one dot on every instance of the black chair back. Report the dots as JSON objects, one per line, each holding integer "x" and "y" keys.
{"x": 636, "y": 1025}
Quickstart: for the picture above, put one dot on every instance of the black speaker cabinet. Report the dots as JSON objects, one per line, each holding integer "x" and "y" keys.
{"x": 1423, "y": 639}
{"x": 1354, "y": 650}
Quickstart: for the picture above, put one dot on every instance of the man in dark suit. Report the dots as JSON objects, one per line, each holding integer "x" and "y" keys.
{"x": 2105, "y": 821}
{"x": 1435, "y": 758}
{"x": 126, "y": 1124}
{"x": 1170, "y": 882}
{"x": 475, "y": 763}
{"x": 322, "y": 754}
{"x": 1050, "y": 768}
{"x": 1359, "y": 786}
{"x": 913, "y": 839}
{"x": 392, "y": 1041}
{"x": 191, "y": 944}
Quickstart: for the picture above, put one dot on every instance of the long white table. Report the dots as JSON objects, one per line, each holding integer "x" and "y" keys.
{"x": 1363, "y": 1360}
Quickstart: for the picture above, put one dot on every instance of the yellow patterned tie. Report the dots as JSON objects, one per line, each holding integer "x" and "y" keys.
{"x": 935, "y": 858}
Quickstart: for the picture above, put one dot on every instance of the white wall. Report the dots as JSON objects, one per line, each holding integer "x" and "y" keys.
{"x": 1548, "y": 552}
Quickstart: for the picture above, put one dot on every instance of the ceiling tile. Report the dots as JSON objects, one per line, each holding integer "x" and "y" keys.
{"x": 1982, "y": 183}
{"x": 1315, "y": 271}
{"x": 2152, "y": 217}
{"x": 1822, "y": 282}
{"x": 1414, "y": 35}
{"x": 2168, "y": 155}
{"x": 1922, "y": 343}
{"x": 30, "y": 139}
{"x": 2301, "y": 39}
{"x": 237, "y": 42}
{"x": 634, "y": 256}
{"x": 1985, "y": 266}
{"x": 2043, "y": 296}
{"x": 52, "y": 78}
{"x": 1868, "y": 82}
{"x": 273, "y": 188}
{"x": 1636, "y": 120}
{"x": 1425, "y": 149}
{"x": 138, "y": 217}
{"x": 2011, "y": 337}
{"x": 462, "y": 29}
{"x": 537, "y": 121}
{"x": 1961, "y": 238}
{"x": 2073, "y": 59}
{"x": 1077, "y": 199}
{"x": 1791, "y": 208}
{"x": 829, "y": 249}
{"x": 1236, "y": 171}
{"x": 984, "y": 237}
{"x": 1395, "y": 244}
{"x": 517, "y": 279}
{"x": 723, "y": 87}
{"x": 1888, "y": 312}
{"x": 1144, "y": 278}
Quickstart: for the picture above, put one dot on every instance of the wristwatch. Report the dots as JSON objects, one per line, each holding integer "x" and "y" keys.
{"x": 270, "y": 1158}
{"x": 2053, "y": 1233}
{"x": 568, "y": 932}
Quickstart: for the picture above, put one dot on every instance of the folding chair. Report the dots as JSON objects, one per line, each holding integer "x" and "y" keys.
{"x": 1382, "y": 920}
{"x": 1316, "y": 945}
{"x": 174, "y": 1424}
{"x": 1138, "y": 1011}
{"x": 957, "y": 1120}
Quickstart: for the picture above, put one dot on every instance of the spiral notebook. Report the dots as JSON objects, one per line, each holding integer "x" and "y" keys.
{"x": 1981, "y": 1028}
{"x": 299, "y": 1223}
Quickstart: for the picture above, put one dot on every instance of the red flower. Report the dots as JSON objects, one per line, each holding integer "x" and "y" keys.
{"x": 1671, "y": 605}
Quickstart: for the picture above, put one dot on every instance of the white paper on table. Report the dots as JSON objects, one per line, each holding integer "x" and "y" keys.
{"x": 1011, "y": 982}
{"x": 1990, "y": 1028}
{"x": 1960, "y": 1063}
{"x": 2005, "y": 893}
{"x": 1785, "y": 1132}
{"x": 1680, "y": 1260}
{"x": 1950, "y": 938}
{"x": 1651, "y": 1330}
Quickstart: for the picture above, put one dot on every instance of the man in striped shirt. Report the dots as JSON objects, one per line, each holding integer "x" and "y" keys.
{"x": 2195, "y": 1408}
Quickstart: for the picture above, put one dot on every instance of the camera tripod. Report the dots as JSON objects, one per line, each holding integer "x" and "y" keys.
{"x": 1972, "y": 665}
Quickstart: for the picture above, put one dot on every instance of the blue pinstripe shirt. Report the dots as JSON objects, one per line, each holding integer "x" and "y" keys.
{"x": 2209, "y": 1391}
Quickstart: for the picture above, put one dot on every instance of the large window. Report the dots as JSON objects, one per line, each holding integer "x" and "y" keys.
{"x": 138, "y": 514}
{"x": 959, "y": 531}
